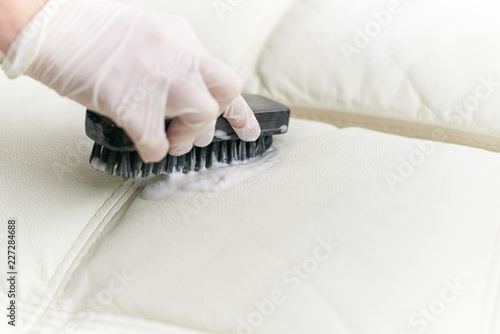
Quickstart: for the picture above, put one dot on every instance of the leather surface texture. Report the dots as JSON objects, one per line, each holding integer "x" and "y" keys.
{"x": 348, "y": 231}
{"x": 340, "y": 229}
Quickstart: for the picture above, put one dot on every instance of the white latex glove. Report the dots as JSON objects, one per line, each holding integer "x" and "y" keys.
{"x": 136, "y": 67}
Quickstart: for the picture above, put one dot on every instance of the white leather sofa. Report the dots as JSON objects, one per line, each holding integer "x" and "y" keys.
{"x": 378, "y": 213}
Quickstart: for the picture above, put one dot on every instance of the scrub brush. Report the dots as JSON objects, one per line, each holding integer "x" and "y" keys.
{"x": 114, "y": 152}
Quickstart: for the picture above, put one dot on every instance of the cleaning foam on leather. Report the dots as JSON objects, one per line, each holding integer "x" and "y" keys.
{"x": 221, "y": 176}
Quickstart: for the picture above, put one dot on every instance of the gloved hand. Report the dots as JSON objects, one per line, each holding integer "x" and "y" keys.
{"x": 136, "y": 67}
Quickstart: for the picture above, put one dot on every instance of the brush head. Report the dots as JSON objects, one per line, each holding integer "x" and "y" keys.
{"x": 114, "y": 153}
{"x": 128, "y": 164}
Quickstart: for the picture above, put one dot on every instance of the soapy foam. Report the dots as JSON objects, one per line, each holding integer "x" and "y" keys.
{"x": 98, "y": 165}
{"x": 222, "y": 135}
{"x": 220, "y": 176}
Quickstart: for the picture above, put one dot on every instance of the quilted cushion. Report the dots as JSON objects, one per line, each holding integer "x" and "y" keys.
{"x": 418, "y": 68}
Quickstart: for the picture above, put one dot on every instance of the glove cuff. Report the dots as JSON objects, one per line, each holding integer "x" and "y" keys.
{"x": 26, "y": 47}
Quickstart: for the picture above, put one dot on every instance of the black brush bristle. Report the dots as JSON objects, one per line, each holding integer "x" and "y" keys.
{"x": 130, "y": 166}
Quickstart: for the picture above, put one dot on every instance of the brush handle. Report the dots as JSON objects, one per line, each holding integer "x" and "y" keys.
{"x": 272, "y": 116}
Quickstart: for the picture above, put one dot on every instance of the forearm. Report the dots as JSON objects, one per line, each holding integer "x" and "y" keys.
{"x": 14, "y": 17}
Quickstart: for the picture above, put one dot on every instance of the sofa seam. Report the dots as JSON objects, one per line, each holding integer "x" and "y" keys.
{"x": 76, "y": 252}
{"x": 410, "y": 130}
